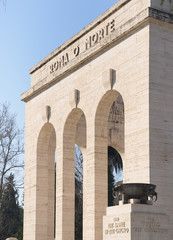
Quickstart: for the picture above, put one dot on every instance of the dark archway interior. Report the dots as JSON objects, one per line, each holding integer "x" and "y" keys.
{"x": 78, "y": 193}
{"x": 115, "y": 167}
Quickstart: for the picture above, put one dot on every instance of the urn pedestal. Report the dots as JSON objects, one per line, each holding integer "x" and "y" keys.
{"x": 135, "y": 222}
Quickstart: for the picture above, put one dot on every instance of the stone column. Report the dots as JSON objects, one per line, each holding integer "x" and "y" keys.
{"x": 95, "y": 185}
{"x": 65, "y": 178}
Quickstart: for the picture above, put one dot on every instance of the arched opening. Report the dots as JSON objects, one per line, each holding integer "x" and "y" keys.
{"x": 116, "y": 147}
{"x": 45, "y": 216}
{"x": 78, "y": 193}
{"x": 74, "y": 137}
{"x": 55, "y": 198}
{"x": 109, "y": 131}
{"x": 115, "y": 173}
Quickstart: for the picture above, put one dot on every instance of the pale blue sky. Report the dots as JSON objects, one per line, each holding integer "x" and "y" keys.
{"x": 30, "y": 30}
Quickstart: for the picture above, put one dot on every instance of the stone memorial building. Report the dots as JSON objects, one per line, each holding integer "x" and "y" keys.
{"x": 124, "y": 59}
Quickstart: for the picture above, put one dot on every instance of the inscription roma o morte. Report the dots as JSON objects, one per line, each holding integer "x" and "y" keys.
{"x": 90, "y": 41}
{"x": 100, "y": 34}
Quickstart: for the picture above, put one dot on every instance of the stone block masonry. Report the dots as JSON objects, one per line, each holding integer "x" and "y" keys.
{"x": 109, "y": 85}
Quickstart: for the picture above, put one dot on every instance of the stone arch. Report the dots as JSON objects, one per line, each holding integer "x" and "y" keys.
{"x": 45, "y": 183}
{"x": 116, "y": 125}
{"x": 80, "y": 138}
{"x": 69, "y": 140}
{"x": 109, "y": 121}
{"x": 101, "y": 155}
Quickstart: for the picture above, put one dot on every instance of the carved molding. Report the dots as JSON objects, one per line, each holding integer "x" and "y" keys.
{"x": 74, "y": 98}
{"x": 48, "y": 113}
{"x": 109, "y": 79}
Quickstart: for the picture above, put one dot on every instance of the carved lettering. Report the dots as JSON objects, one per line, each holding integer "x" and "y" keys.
{"x": 65, "y": 59}
{"x": 111, "y": 225}
{"x": 101, "y": 34}
{"x": 98, "y": 36}
{"x": 51, "y": 69}
{"x": 95, "y": 38}
{"x": 148, "y": 225}
{"x": 121, "y": 224}
{"x": 122, "y": 230}
{"x": 60, "y": 63}
{"x": 111, "y": 231}
{"x": 116, "y": 227}
{"x": 107, "y": 29}
{"x": 151, "y": 225}
{"x": 135, "y": 229}
{"x": 76, "y": 51}
{"x": 90, "y": 41}
{"x": 112, "y": 27}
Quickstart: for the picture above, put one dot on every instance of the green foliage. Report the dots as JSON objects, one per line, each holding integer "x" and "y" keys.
{"x": 19, "y": 233}
{"x": 110, "y": 186}
{"x": 114, "y": 163}
{"x": 114, "y": 159}
{"x": 170, "y": 1}
{"x": 78, "y": 210}
{"x": 162, "y": 2}
{"x": 78, "y": 193}
{"x": 11, "y": 145}
{"x": 11, "y": 215}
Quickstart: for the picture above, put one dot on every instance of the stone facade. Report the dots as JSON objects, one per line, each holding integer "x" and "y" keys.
{"x": 124, "y": 58}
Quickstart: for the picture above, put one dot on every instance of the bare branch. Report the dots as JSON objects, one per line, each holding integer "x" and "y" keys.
{"x": 12, "y": 167}
{"x": 11, "y": 144}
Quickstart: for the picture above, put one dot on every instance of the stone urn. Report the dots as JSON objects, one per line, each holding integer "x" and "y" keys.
{"x": 135, "y": 192}
{"x": 11, "y": 238}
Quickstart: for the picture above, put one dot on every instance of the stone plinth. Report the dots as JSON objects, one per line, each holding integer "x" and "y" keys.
{"x": 134, "y": 222}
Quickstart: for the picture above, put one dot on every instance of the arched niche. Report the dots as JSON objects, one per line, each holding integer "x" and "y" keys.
{"x": 45, "y": 185}
{"x": 74, "y": 133}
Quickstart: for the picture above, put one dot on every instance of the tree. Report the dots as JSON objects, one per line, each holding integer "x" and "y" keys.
{"x": 115, "y": 164}
{"x": 78, "y": 211}
{"x": 78, "y": 193}
{"x": 11, "y": 145}
{"x": 114, "y": 159}
{"x": 78, "y": 167}
{"x": 162, "y": 1}
{"x": 111, "y": 182}
{"x": 11, "y": 215}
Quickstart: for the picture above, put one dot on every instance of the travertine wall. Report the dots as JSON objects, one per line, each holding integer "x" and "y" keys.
{"x": 161, "y": 114}
{"x": 131, "y": 66}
